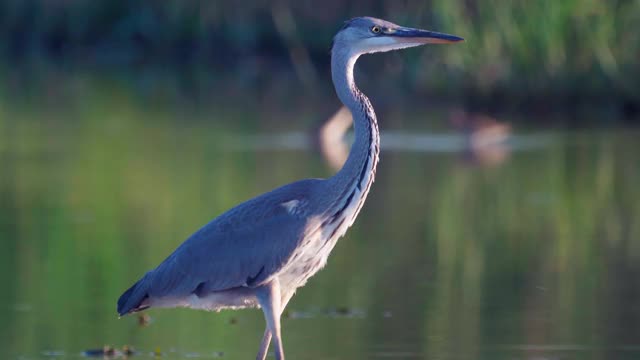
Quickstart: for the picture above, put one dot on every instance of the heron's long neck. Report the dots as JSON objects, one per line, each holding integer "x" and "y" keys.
{"x": 351, "y": 184}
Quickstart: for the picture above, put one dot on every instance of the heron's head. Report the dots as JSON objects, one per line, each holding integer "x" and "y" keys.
{"x": 363, "y": 35}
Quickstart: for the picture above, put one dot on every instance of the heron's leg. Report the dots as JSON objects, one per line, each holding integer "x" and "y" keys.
{"x": 264, "y": 345}
{"x": 270, "y": 299}
{"x": 266, "y": 338}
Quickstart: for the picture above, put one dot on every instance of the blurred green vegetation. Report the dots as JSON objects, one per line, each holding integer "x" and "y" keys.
{"x": 537, "y": 257}
{"x": 546, "y": 54}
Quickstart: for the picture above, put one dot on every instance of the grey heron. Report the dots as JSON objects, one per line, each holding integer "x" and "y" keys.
{"x": 258, "y": 253}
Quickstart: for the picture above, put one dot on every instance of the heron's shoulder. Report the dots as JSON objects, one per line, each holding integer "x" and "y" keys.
{"x": 292, "y": 200}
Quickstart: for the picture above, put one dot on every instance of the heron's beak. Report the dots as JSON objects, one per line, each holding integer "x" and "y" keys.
{"x": 418, "y": 36}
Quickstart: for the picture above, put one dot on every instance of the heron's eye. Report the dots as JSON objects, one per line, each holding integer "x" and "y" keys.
{"x": 375, "y": 29}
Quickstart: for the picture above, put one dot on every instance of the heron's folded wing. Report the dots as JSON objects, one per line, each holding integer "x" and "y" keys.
{"x": 228, "y": 253}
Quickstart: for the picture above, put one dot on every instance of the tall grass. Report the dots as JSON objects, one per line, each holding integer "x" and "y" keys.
{"x": 557, "y": 51}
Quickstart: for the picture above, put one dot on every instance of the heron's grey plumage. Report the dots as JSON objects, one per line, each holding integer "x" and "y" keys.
{"x": 258, "y": 253}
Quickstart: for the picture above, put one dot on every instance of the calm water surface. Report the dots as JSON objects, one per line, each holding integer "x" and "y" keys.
{"x": 529, "y": 252}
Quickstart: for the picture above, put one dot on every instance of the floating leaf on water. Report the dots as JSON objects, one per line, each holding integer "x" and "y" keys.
{"x": 344, "y": 311}
{"x": 128, "y": 350}
{"x": 108, "y": 351}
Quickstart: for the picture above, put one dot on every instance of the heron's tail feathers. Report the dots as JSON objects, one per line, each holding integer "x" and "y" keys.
{"x": 134, "y": 299}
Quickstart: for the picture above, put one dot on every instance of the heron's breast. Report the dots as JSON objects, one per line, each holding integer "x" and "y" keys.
{"x": 312, "y": 253}
{"x": 312, "y": 256}
{"x": 307, "y": 260}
